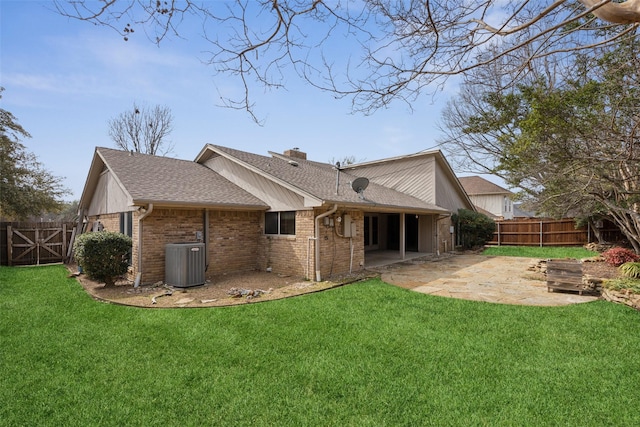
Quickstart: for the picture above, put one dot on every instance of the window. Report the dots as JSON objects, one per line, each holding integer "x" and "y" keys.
{"x": 126, "y": 227}
{"x": 126, "y": 223}
{"x": 507, "y": 204}
{"x": 280, "y": 222}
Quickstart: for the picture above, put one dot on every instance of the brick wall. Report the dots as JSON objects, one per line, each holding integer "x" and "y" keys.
{"x": 164, "y": 226}
{"x": 234, "y": 241}
{"x": 237, "y": 242}
{"x": 335, "y": 251}
{"x": 444, "y": 235}
{"x": 110, "y": 222}
{"x": 288, "y": 254}
{"x": 295, "y": 255}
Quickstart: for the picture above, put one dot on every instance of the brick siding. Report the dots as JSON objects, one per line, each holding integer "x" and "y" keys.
{"x": 234, "y": 241}
{"x": 444, "y": 235}
{"x": 237, "y": 242}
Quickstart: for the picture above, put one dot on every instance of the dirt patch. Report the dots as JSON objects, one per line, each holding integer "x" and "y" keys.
{"x": 218, "y": 291}
{"x": 600, "y": 269}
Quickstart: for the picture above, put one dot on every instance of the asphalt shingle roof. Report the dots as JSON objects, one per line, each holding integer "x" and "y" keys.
{"x": 476, "y": 186}
{"x": 156, "y": 179}
{"x": 319, "y": 180}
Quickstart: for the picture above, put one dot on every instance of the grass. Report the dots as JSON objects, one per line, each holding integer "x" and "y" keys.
{"x": 623, "y": 284}
{"x": 367, "y": 354}
{"x": 547, "y": 252}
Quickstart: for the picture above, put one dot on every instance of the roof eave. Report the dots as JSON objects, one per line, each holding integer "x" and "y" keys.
{"x": 208, "y": 205}
{"x": 368, "y": 205}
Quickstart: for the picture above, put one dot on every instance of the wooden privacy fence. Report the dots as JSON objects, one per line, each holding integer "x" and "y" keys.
{"x": 548, "y": 232}
{"x": 34, "y": 243}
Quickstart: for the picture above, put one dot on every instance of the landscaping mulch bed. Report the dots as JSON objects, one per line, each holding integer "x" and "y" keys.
{"x": 600, "y": 269}
{"x": 219, "y": 290}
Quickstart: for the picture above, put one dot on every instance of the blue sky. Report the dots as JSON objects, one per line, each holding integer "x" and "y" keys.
{"x": 64, "y": 79}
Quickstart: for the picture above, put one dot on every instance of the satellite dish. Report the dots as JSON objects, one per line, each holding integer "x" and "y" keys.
{"x": 359, "y": 185}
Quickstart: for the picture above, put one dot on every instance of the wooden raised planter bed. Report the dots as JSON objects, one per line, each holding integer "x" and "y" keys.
{"x": 565, "y": 275}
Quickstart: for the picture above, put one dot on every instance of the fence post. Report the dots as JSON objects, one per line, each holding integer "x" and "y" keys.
{"x": 37, "y": 242}
{"x": 541, "y": 234}
{"x": 9, "y": 245}
{"x": 64, "y": 241}
{"x": 498, "y": 233}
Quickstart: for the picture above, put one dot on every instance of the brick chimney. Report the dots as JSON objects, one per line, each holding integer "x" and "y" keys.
{"x": 296, "y": 153}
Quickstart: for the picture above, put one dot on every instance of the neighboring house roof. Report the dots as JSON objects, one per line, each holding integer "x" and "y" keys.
{"x": 521, "y": 213}
{"x": 166, "y": 181}
{"x": 486, "y": 212}
{"x": 318, "y": 181}
{"x": 478, "y": 186}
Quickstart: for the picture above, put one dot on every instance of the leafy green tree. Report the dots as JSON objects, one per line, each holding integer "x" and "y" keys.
{"x": 474, "y": 229}
{"x": 26, "y": 188}
{"x": 569, "y": 142}
{"x": 68, "y": 213}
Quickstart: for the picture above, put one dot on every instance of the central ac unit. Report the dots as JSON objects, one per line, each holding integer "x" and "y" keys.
{"x": 185, "y": 264}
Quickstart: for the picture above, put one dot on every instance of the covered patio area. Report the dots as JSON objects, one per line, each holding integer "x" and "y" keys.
{"x": 380, "y": 258}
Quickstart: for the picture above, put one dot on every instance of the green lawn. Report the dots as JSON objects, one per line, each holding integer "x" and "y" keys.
{"x": 576, "y": 252}
{"x": 363, "y": 354}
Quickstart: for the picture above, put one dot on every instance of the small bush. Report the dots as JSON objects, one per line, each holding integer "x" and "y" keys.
{"x": 103, "y": 255}
{"x": 630, "y": 269}
{"x": 474, "y": 229}
{"x": 618, "y": 256}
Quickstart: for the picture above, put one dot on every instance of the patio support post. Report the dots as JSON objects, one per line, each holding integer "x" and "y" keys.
{"x": 403, "y": 235}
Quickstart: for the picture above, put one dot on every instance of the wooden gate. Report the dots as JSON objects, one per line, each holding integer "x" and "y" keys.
{"x": 37, "y": 243}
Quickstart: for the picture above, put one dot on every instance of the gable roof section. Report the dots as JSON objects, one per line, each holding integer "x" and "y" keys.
{"x": 167, "y": 181}
{"x": 318, "y": 181}
{"x": 405, "y": 174}
{"x": 478, "y": 186}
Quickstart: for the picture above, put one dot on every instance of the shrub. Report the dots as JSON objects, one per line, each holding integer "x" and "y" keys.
{"x": 618, "y": 256}
{"x": 631, "y": 270}
{"x": 103, "y": 255}
{"x": 474, "y": 229}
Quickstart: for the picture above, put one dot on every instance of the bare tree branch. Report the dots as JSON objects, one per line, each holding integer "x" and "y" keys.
{"x": 374, "y": 51}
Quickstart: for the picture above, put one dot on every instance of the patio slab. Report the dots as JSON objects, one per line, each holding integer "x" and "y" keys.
{"x": 504, "y": 280}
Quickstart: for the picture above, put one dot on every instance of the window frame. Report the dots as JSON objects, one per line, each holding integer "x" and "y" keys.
{"x": 284, "y": 224}
{"x": 126, "y": 228}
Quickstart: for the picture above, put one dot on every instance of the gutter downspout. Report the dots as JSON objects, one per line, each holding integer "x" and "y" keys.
{"x": 317, "y": 234}
{"x": 140, "y": 218}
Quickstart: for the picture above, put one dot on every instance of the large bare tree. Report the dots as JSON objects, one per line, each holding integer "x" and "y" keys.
{"x": 373, "y": 51}
{"x": 143, "y": 130}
